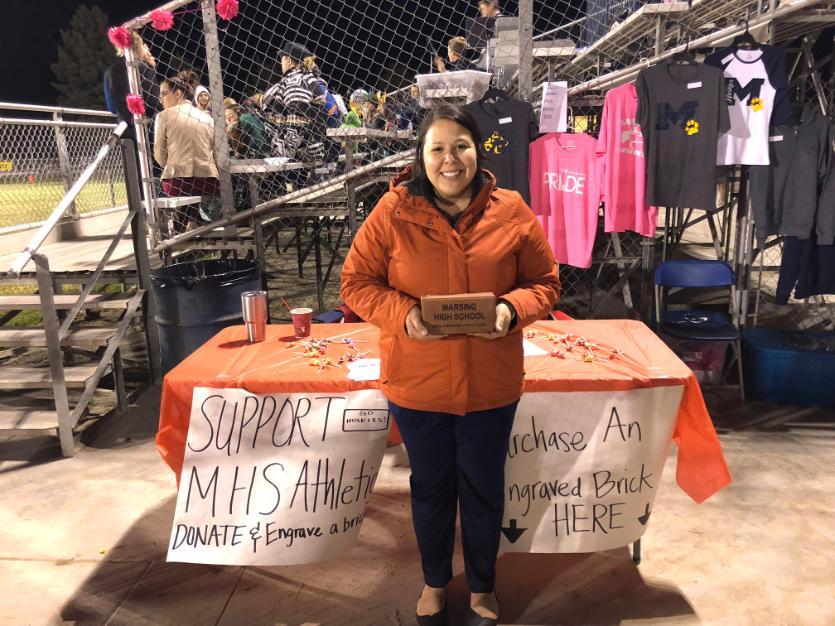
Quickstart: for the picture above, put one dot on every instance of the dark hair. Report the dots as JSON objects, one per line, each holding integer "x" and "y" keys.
{"x": 184, "y": 81}
{"x": 420, "y": 185}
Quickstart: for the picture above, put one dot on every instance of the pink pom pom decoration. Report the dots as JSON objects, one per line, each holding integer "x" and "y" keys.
{"x": 227, "y": 9}
{"x": 135, "y": 104}
{"x": 120, "y": 37}
{"x": 161, "y": 19}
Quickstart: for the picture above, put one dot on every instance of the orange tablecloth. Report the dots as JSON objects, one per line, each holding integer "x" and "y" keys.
{"x": 227, "y": 360}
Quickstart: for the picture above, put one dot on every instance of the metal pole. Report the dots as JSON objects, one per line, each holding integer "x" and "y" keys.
{"x": 64, "y": 161}
{"x": 258, "y": 231}
{"x": 56, "y": 358}
{"x": 525, "y": 49}
{"x": 349, "y": 190}
{"x": 143, "y": 265}
{"x": 15, "y": 106}
{"x": 224, "y": 173}
{"x": 143, "y": 147}
{"x": 813, "y": 73}
{"x": 647, "y": 277}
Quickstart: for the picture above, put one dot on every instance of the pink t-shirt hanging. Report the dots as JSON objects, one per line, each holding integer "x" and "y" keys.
{"x": 565, "y": 193}
{"x": 621, "y": 146}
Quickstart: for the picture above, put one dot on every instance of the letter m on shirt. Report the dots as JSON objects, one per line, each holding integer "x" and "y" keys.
{"x": 751, "y": 90}
{"x": 666, "y": 114}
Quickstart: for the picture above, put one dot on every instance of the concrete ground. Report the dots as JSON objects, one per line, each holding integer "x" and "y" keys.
{"x": 83, "y": 540}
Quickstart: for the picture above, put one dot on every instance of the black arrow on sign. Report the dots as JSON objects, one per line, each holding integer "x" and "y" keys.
{"x": 513, "y": 533}
{"x": 645, "y": 517}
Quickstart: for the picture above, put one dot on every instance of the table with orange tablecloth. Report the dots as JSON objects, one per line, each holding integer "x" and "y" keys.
{"x": 642, "y": 362}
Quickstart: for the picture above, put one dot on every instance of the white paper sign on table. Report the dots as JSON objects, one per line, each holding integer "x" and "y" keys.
{"x": 531, "y": 349}
{"x": 554, "y": 112}
{"x": 364, "y": 369}
{"x": 583, "y": 468}
{"x": 276, "y": 479}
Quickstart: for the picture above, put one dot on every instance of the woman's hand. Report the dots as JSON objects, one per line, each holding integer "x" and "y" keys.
{"x": 504, "y": 315}
{"x": 440, "y": 65}
{"x": 415, "y": 328}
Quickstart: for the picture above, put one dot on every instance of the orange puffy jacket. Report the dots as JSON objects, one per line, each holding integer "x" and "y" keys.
{"x": 405, "y": 249}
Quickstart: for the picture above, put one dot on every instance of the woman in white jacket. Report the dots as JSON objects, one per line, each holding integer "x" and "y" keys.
{"x": 184, "y": 146}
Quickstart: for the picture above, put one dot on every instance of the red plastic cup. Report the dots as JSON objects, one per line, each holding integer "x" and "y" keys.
{"x": 302, "y": 318}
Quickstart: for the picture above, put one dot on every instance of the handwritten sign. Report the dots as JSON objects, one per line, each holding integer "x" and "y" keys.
{"x": 283, "y": 479}
{"x": 583, "y": 468}
{"x": 554, "y": 110}
{"x": 276, "y": 479}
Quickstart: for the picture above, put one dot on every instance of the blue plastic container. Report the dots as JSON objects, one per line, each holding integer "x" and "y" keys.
{"x": 789, "y": 367}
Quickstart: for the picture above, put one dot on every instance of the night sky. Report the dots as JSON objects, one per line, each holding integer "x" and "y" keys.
{"x": 29, "y": 42}
{"x": 358, "y": 55}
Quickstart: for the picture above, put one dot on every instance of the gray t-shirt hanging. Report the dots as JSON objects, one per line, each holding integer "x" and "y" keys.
{"x": 682, "y": 112}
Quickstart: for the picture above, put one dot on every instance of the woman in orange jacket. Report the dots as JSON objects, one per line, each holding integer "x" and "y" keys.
{"x": 444, "y": 228}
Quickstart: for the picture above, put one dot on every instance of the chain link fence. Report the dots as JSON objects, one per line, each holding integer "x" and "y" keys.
{"x": 368, "y": 62}
{"x": 40, "y": 159}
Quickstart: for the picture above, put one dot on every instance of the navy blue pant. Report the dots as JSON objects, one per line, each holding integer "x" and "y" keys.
{"x": 457, "y": 458}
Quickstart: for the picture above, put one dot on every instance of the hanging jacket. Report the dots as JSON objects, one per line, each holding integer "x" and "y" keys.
{"x": 406, "y": 249}
{"x": 825, "y": 218}
{"x": 784, "y": 195}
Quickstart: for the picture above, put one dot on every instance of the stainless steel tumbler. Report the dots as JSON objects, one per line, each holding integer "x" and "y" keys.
{"x": 254, "y": 305}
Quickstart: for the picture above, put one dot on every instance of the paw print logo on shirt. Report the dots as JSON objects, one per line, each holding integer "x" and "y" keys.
{"x": 756, "y": 104}
{"x": 495, "y": 143}
{"x": 691, "y": 127}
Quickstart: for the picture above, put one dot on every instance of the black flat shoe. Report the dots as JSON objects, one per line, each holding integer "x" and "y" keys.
{"x": 436, "y": 619}
{"x": 474, "y": 619}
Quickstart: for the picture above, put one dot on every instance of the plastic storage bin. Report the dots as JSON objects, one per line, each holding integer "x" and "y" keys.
{"x": 789, "y": 367}
{"x": 705, "y": 358}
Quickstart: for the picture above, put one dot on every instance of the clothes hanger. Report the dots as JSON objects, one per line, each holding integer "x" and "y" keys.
{"x": 746, "y": 40}
{"x": 493, "y": 94}
{"x": 685, "y": 57}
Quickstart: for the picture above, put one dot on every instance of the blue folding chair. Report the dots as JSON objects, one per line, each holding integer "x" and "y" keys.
{"x": 696, "y": 324}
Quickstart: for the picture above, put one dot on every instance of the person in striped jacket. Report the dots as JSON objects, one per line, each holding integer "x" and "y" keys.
{"x": 294, "y": 105}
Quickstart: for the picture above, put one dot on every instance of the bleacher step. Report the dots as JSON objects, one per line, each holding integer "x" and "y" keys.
{"x": 40, "y": 377}
{"x": 27, "y": 418}
{"x": 36, "y": 337}
{"x": 99, "y": 301}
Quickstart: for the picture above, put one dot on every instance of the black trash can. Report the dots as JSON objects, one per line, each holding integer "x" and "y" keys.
{"x": 196, "y": 300}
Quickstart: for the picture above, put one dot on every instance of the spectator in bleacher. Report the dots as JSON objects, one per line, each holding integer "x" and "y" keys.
{"x": 456, "y": 50}
{"x": 117, "y": 87}
{"x": 409, "y": 112}
{"x": 333, "y": 116}
{"x": 202, "y": 98}
{"x": 184, "y": 147}
{"x": 247, "y": 135}
{"x": 489, "y": 8}
{"x": 483, "y": 28}
{"x": 380, "y": 113}
{"x": 357, "y": 105}
{"x": 294, "y": 105}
